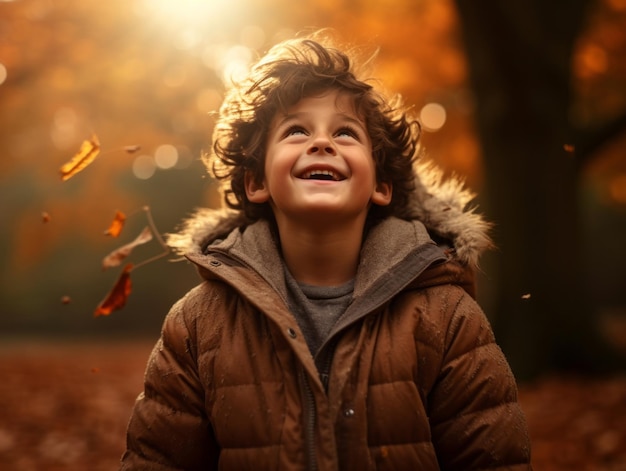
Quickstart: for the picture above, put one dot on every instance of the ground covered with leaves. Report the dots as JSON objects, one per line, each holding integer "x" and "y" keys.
{"x": 66, "y": 406}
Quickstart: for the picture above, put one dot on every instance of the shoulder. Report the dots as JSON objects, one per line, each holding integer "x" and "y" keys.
{"x": 440, "y": 310}
{"x": 198, "y": 316}
{"x": 450, "y": 316}
{"x": 202, "y": 295}
{"x": 445, "y": 320}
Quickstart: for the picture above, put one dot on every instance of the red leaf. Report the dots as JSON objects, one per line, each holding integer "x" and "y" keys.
{"x": 115, "y": 258}
{"x": 117, "y": 224}
{"x": 89, "y": 150}
{"x": 116, "y": 299}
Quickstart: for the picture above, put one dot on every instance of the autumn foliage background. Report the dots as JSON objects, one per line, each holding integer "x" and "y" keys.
{"x": 146, "y": 77}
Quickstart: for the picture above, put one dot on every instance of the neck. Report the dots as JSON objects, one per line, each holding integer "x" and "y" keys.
{"x": 321, "y": 257}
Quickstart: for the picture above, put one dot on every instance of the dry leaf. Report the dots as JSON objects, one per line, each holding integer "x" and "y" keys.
{"x": 116, "y": 299}
{"x": 117, "y": 224}
{"x": 115, "y": 258}
{"x": 45, "y": 217}
{"x": 132, "y": 149}
{"x": 88, "y": 152}
{"x": 526, "y": 296}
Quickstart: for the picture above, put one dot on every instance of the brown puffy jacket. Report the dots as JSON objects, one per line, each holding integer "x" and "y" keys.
{"x": 409, "y": 378}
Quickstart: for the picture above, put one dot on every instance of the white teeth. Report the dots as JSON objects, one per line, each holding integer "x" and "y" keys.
{"x": 326, "y": 173}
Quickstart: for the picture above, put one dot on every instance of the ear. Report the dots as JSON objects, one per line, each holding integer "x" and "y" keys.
{"x": 382, "y": 194}
{"x": 255, "y": 191}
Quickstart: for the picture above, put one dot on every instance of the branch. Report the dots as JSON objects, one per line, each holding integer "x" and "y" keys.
{"x": 157, "y": 235}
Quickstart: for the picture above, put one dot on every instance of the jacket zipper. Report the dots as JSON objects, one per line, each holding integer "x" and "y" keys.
{"x": 309, "y": 416}
{"x": 323, "y": 363}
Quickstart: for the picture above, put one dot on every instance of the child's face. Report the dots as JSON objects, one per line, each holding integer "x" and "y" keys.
{"x": 319, "y": 163}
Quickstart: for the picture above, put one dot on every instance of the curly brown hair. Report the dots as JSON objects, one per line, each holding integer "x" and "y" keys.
{"x": 296, "y": 69}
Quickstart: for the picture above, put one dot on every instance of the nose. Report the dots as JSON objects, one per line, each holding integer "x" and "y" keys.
{"x": 321, "y": 145}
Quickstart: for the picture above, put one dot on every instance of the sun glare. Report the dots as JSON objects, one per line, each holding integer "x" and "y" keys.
{"x": 186, "y": 12}
{"x": 208, "y": 29}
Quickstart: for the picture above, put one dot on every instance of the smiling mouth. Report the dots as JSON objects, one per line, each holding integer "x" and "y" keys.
{"x": 326, "y": 175}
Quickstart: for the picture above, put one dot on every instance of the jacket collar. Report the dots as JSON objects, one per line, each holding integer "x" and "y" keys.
{"x": 393, "y": 254}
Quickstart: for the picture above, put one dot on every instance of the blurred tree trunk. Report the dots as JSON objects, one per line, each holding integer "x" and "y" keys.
{"x": 519, "y": 55}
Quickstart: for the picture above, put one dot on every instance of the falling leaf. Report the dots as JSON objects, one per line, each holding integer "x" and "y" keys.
{"x": 88, "y": 152}
{"x": 116, "y": 298}
{"x": 132, "y": 149}
{"x": 117, "y": 224}
{"x": 115, "y": 258}
{"x": 526, "y": 296}
{"x": 569, "y": 148}
{"x": 45, "y": 217}
{"x": 66, "y": 300}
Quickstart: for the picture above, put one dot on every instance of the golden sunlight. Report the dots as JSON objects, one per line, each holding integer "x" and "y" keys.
{"x": 186, "y": 12}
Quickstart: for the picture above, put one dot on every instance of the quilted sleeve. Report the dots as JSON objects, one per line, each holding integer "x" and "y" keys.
{"x": 476, "y": 420}
{"x": 169, "y": 429}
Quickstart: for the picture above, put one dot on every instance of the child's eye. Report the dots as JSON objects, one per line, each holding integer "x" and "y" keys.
{"x": 295, "y": 131}
{"x": 347, "y": 131}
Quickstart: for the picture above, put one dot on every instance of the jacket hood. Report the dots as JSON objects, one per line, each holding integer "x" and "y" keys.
{"x": 442, "y": 205}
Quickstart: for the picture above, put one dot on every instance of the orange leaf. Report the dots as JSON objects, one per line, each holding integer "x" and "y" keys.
{"x": 117, "y": 224}
{"x": 116, "y": 257}
{"x": 88, "y": 152}
{"x": 116, "y": 299}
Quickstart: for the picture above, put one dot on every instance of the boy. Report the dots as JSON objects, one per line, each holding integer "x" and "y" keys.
{"x": 335, "y": 327}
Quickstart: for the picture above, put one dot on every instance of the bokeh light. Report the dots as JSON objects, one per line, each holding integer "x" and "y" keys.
{"x": 166, "y": 156}
{"x": 144, "y": 166}
{"x": 433, "y": 117}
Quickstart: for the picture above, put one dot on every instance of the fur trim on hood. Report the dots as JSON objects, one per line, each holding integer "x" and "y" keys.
{"x": 442, "y": 205}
